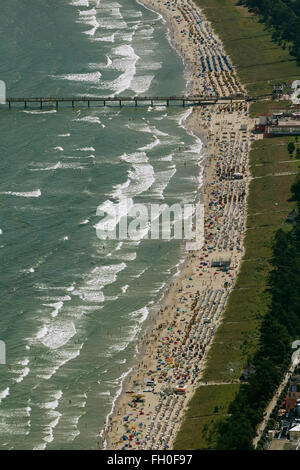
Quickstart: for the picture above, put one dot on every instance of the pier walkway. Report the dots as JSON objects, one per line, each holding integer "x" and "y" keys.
{"x": 129, "y": 101}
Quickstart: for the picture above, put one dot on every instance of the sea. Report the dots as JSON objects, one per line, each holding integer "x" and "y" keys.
{"x": 73, "y": 306}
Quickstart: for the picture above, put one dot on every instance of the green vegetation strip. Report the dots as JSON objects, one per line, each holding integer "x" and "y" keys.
{"x": 203, "y": 413}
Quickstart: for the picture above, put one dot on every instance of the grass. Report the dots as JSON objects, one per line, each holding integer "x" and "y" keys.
{"x": 258, "y": 60}
{"x": 263, "y": 107}
{"x": 202, "y": 414}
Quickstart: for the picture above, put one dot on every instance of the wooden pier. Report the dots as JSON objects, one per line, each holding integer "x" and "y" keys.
{"x": 135, "y": 101}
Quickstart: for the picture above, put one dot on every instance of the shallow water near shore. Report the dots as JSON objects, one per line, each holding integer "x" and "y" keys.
{"x": 72, "y": 306}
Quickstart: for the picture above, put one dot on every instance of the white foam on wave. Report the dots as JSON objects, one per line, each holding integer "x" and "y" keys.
{"x": 89, "y": 18}
{"x": 54, "y": 415}
{"x": 160, "y": 118}
{"x": 22, "y": 374}
{"x": 141, "y": 178}
{"x": 127, "y": 257}
{"x": 48, "y": 168}
{"x": 16, "y": 413}
{"x": 104, "y": 393}
{"x": 113, "y": 9}
{"x": 53, "y": 404}
{"x": 78, "y": 158}
{"x": 49, "y": 428}
{"x": 61, "y": 358}
{"x": 110, "y": 22}
{"x": 89, "y": 295}
{"x": 156, "y": 131}
{"x": 135, "y": 157}
{"x": 92, "y": 119}
{"x": 4, "y": 393}
{"x": 58, "y": 394}
{"x": 58, "y": 334}
{"x": 42, "y": 332}
{"x": 87, "y": 12}
{"x": 50, "y": 111}
{"x": 167, "y": 158}
{"x": 40, "y": 446}
{"x": 36, "y": 193}
{"x": 128, "y": 35}
{"x": 151, "y": 145}
{"x": 65, "y": 166}
{"x": 57, "y": 307}
{"x": 104, "y": 275}
{"x": 195, "y": 148}
{"x": 140, "y": 315}
{"x": 110, "y": 38}
{"x": 145, "y": 33}
{"x": 80, "y": 3}
{"x": 140, "y": 175}
{"x": 183, "y": 117}
{"x": 141, "y": 83}
{"x": 14, "y": 429}
{"x": 86, "y": 149}
{"x": 139, "y": 127}
{"x": 92, "y": 77}
{"x": 109, "y": 61}
{"x": 127, "y": 64}
{"x": 141, "y": 273}
{"x": 23, "y": 362}
{"x": 53, "y": 299}
{"x": 99, "y": 277}
{"x": 64, "y": 135}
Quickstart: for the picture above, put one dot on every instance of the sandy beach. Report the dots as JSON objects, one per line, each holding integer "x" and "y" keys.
{"x": 172, "y": 352}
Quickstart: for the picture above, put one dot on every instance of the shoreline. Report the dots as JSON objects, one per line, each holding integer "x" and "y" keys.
{"x": 118, "y": 433}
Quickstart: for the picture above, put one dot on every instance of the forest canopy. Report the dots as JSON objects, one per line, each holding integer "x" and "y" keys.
{"x": 282, "y": 18}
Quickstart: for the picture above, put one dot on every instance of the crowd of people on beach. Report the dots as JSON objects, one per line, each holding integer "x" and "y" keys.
{"x": 203, "y": 51}
{"x": 176, "y": 349}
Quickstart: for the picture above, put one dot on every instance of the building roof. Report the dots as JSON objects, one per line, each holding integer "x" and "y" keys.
{"x": 284, "y": 130}
{"x": 295, "y": 428}
{"x": 288, "y": 123}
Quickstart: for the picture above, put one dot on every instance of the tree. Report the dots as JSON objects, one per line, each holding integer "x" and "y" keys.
{"x": 291, "y": 148}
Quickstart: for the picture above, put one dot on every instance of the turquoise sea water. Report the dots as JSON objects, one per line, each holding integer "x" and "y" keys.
{"x": 72, "y": 306}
